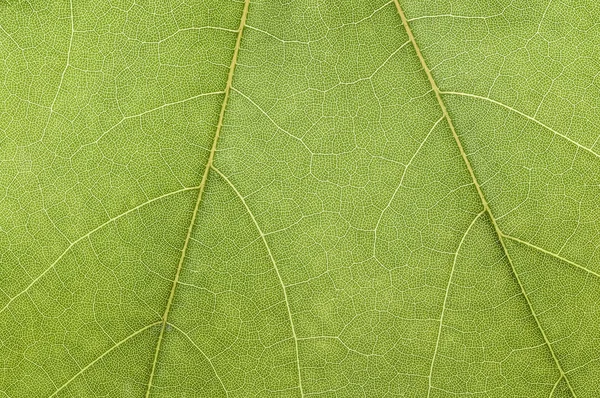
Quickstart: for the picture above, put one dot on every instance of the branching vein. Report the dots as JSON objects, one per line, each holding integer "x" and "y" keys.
{"x": 76, "y": 241}
{"x": 439, "y": 333}
{"x": 510, "y": 108}
{"x": 264, "y": 239}
{"x": 204, "y": 355}
{"x": 105, "y": 353}
{"x": 486, "y": 206}
{"x": 523, "y": 242}
{"x": 200, "y": 194}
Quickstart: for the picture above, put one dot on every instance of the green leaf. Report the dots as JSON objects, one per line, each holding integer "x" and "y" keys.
{"x": 306, "y": 198}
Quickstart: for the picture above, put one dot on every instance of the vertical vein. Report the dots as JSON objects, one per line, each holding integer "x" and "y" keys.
{"x": 207, "y": 168}
{"x": 264, "y": 239}
{"x": 555, "y": 385}
{"x": 62, "y": 75}
{"x": 486, "y": 206}
{"x": 439, "y": 333}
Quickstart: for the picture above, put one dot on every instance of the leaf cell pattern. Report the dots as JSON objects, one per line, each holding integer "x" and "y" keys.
{"x": 304, "y": 198}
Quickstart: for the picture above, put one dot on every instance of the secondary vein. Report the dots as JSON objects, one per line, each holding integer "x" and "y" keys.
{"x": 533, "y": 119}
{"x": 86, "y": 235}
{"x": 283, "y": 287}
{"x": 207, "y": 168}
{"x": 64, "y": 71}
{"x": 486, "y": 206}
{"x": 439, "y": 333}
{"x": 105, "y": 353}
{"x": 540, "y": 249}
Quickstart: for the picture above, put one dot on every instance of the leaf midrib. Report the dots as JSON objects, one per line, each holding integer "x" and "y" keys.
{"x": 499, "y": 233}
{"x": 205, "y": 174}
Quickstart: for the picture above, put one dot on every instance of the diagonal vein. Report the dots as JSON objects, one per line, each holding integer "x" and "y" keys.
{"x": 204, "y": 355}
{"x": 533, "y": 119}
{"x": 264, "y": 239}
{"x": 484, "y": 202}
{"x": 523, "y": 242}
{"x": 89, "y": 233}
{"x": 439, "y": 333}
{"x": 389, "y": 203}
{"x": 62, "y": 75}
{"x": 555, "y": 385}
{"x": 105, "y": 353}
{"x": 209, "y": 163}
{"x": 165, "y": 105}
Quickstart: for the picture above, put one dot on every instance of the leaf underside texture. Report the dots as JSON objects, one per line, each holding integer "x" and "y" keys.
{"x": 304, "y": 198}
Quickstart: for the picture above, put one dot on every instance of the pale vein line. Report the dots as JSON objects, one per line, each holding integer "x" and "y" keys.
{"x": 339, "y": 340}
{"x": 551, "y": 254}
{"x": 271, "y": 119}
{"x": 209, "y": 163}
{"x": 540, "y": 24}
{"x": 461, "y": 16}
{"x": 453, "y": 16}
{"x": 555, "y": 385}
{"x": 275, "y": 37}
{"x": 82, "y": 370}
{"x": 582, "y": 366}
{"x": 525, "y": 116}
{"x": 62, "y": 76}
{"x": 330, "y": 29}
{"x": 10, "y": 37}
{"x": 439, "y": 333}
{"x": 34, "y": 281}
{"x": 192, "y": 28}
{"x": 264, "y": 239}
{"x": 402, "y": 180}
{"x": 370, "y": 77}
{"x": 153, "y": 110}
{"x": 368, "y": 17}
{"x": 486, "y": 206}
{"x": 204, "y": 355}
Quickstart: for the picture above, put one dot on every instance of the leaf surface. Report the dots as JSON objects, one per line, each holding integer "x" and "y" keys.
{"x": 303, "y": 198}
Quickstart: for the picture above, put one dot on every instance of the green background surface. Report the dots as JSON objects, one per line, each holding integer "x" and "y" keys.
{"x": 299, "y": 198}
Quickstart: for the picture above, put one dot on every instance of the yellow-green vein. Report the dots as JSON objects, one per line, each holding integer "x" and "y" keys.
{"x": 264, "y": 239}
{"x": 439, "y": 333}
{"x": 105, "y": 353}
{"x": 486, "y": 206}
{"x": 209, "y": 162}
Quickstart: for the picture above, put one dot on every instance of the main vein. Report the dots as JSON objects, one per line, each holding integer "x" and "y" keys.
{"x": 207, "y": 168}
{"x": 484, "y": 202}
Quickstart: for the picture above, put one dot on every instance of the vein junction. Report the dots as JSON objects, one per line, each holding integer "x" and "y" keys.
{"x": 201, "y": 189}
{"x": 501, "y": 236}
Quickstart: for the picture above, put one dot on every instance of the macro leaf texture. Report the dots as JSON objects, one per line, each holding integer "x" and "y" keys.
{"x": 300, "y": 198}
